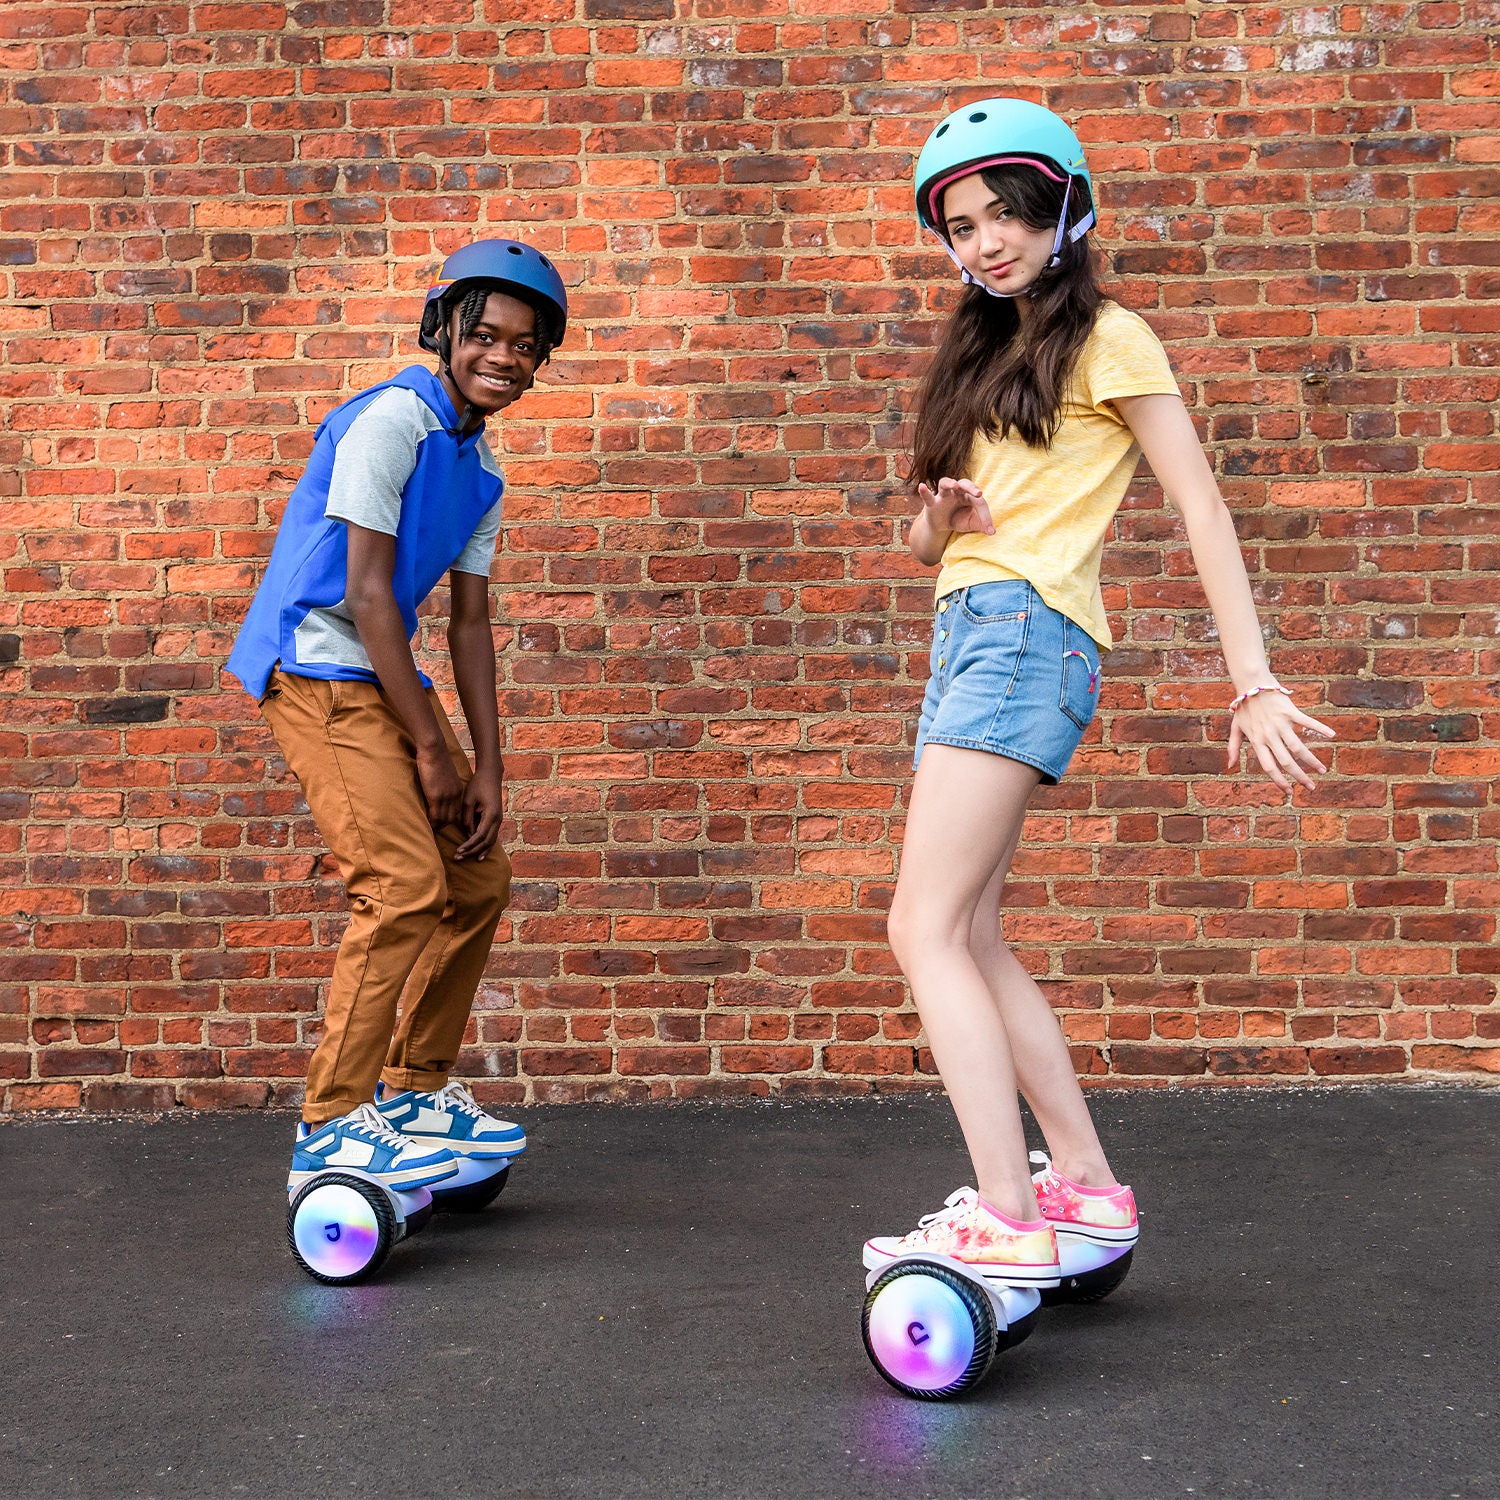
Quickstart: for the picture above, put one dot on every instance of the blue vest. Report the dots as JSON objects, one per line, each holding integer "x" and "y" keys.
{"x": 441, "y": 505}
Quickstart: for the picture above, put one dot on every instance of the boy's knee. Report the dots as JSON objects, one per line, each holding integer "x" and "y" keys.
{"x": 486, "y": 889}
{"x": 415, "y": 897}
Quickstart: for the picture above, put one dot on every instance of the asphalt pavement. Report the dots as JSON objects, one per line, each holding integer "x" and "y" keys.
{"x": 665, "y": 1302}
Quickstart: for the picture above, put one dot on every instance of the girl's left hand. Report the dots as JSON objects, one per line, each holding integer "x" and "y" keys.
{"x": 1269, "y": 722}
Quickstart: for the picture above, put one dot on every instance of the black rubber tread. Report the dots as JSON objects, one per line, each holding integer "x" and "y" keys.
{"x": 1020, "y": 1329}
{"x": 981, "y": 1313}
{"x": 473, "y": 1197}
{"x": 1089, "y": 1286}
{"x": 385, "y": 1220}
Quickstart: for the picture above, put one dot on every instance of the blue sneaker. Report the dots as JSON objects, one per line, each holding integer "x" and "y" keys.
{"x": 362, "y": 1139}
{"x": 449, "y": 1117}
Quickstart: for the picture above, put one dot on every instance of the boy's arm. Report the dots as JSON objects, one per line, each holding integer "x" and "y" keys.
{"x": 372, "y": 605}
{"x": 471, "y": 647}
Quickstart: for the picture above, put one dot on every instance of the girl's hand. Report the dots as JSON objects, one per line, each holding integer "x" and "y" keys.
{"x": 1269, "y": 722}
{"x": 958, "y": 505}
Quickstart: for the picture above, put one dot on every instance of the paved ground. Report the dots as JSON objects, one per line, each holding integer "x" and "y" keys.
{"x": 666, "y": 1302}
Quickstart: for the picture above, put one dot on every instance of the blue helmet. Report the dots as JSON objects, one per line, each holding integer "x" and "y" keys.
{"x": 999, "y": 132}
{"x": 502, "y": 266}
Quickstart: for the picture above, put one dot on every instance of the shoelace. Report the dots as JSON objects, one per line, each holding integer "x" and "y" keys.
{"x": 1049, "y": 1179}
{"x": 369, "y": 1124}
{"x": 955, "y": 1206}
{"x": 1046, "y": 1178}
{"x": 455, "y": 1097}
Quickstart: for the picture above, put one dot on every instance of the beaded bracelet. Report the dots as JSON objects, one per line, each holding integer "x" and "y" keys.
{"x": 1270, "y": 687}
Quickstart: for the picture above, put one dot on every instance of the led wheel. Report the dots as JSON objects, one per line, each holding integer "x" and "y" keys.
{"x": 340, "y": 1228}
{"x": 1092, "y": 1285}
{"x": 473, "y": 1196}
{"x": 928, "y": 1330}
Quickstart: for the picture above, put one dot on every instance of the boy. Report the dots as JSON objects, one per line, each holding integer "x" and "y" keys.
{"x": 400, "y": 489}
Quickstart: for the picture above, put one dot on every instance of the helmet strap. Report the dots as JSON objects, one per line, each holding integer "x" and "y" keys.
{"x": 1072, "y": 235}
{"x": 445, "y": 355}
{"x": 971, "y": 280}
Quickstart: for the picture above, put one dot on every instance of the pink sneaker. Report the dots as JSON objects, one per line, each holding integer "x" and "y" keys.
{"x": 1102, "y": 1216}
{"x": 967, "y": 1229}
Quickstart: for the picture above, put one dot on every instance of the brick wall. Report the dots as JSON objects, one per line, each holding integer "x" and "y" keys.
{"x": 217, "y": 222}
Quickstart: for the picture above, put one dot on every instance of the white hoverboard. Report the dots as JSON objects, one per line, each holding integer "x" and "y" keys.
{"x": 933, "y": 1326}
{"x": 341, "y": 1224}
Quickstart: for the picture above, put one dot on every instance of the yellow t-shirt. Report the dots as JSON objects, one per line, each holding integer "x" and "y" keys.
{"x": 1053, "y": 506}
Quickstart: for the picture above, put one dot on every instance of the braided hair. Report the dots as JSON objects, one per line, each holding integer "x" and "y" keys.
{"x": 471, "y": 309}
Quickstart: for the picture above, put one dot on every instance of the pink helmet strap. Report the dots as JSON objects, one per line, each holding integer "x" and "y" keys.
{"x": 1077, "y": 232}
{"x": 935, "y": 192}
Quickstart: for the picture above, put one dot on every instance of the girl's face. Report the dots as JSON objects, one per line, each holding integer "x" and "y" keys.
{"x": 498, "y": 360}
{"x": 991, "y": 242}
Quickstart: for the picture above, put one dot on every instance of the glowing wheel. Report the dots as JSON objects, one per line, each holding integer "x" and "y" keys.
{"x": 340, "y": 1228}
{"x": 929, "y": 1331}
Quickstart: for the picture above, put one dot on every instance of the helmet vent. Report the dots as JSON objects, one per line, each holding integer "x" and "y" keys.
{"x": 977, "y": 116}
{"x": 514, "y": 249}
{"x": 942, "y": 129}
{"x": 543, "y": 259}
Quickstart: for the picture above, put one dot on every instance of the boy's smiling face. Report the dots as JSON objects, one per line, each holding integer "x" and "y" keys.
{"x": 497, "y": 361}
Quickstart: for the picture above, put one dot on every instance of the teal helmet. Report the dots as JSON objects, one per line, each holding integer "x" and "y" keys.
{"x": 1003, "y": 132}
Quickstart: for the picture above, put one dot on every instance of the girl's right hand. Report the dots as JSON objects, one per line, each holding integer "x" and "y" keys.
{"x": 958, "y": 505}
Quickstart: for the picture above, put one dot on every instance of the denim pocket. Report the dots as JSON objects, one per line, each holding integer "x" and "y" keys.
{"x": 996, "y": 603}
{"x": 1079, "y": 696}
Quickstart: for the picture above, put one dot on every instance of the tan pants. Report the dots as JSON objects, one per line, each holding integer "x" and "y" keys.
{"x": 419, "y": 921}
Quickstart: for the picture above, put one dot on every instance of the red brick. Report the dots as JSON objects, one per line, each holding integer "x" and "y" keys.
{"x": 114, "y": 1098}
{"x": 712, "y": 642}
{"x": 1477, "y": 1060}
{"x": 1341, "y": 1061}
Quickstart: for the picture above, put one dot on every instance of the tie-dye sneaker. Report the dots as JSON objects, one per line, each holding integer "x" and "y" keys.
{"x": 1102, "y": 1216}
{"x": 1001, "y": 1249}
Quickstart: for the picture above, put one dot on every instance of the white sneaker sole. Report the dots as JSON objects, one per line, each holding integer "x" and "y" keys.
{"x": 1095, "y": 1234}
{"x": 1032, "y": 1276}
{"x": 399, "y": 1182}
{"x": 476, "y": 1150}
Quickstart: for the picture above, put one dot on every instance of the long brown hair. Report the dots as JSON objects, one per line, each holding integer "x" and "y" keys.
{"x": 994, "y": 374}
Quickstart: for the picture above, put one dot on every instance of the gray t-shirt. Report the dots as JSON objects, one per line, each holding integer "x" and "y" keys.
{"x": 371, "y": 465}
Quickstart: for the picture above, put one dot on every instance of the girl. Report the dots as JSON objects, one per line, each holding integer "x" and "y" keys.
{"x": 1041, "y": 398}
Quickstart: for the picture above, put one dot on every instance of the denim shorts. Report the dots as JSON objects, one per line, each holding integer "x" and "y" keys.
{"x": 1010, "y": 675}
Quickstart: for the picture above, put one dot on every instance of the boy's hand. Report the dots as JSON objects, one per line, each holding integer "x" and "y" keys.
{"x": 958, "y": 505}
{"x": 441, "y": 788}
{"x": 482, "y": 812}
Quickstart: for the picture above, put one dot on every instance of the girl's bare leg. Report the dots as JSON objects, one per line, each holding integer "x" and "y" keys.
{"x": 966, "y": 813}
{"x": 1044, "y": 1067}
